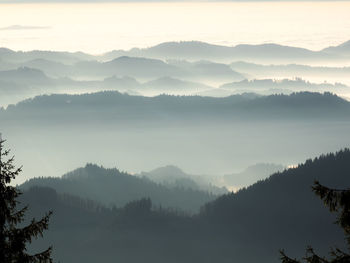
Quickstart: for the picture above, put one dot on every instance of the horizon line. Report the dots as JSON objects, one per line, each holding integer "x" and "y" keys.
{"x": 175, "y": 41}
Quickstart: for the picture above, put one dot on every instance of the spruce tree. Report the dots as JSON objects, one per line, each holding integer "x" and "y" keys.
{"x": 14, "y": 239}
{"x": 336, "y": 200}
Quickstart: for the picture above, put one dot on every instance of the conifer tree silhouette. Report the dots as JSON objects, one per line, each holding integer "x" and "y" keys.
{"x": 13, "y": 239}
{"x": 336, "y": 200}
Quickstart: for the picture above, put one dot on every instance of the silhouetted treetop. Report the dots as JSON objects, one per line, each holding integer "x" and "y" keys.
{"x": 337, "y": 200}
{"x": 14, "y": 239}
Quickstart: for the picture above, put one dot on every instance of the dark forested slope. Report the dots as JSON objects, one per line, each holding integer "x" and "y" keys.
{"x": 248, "y": 226}
{"x": 282, "y": 211}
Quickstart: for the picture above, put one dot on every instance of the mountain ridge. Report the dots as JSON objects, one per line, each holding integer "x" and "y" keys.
{"x": 198, "y": 46}
{"x": 113, "y": 187}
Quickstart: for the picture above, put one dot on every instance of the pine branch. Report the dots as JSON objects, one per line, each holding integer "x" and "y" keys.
{"x": 43, "y": 257}
{"x": 17, "y": 217}
{"x": 285, "y": 259}
{"x": 329, "y": 196}
{"x": 336, "y": 200}
{"x": 34, "y": 229}
{"x": 312, "y": 257}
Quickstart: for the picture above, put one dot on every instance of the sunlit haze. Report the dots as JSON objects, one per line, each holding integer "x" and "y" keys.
{"x": 97, "y": 28}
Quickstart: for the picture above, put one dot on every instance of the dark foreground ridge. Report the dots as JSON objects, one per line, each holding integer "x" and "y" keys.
{"x": 249, "y": 226}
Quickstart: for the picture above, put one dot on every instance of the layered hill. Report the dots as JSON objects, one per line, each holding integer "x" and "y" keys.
{"x": 171, "y": 175}
{"x": 111, "y": 187}
{"x": 114, "y": 106}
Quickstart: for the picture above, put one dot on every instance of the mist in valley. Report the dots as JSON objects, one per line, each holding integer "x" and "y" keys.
{"x": 200, "y": 146}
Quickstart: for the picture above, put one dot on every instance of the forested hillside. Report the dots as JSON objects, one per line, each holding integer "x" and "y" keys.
{"x": 249, "y": 226}
{"x": 112, "y": 187}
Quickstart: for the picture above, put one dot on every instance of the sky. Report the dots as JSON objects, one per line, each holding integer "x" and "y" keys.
{"x": 98, "y": 28}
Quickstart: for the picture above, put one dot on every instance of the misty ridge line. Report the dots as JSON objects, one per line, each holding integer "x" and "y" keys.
{"x": 30, "y": 76}
{"x": 240, "y": 67}
{"x": 184, "y": 44}
{"x": 116, "y": 99}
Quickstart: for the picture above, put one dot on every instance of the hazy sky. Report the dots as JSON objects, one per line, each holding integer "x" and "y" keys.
{"x": 97, "y": 28}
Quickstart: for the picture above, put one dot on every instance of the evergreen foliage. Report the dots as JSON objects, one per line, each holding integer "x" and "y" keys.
{"x": 13, "y": 239}
{"x": 337, "y": 201}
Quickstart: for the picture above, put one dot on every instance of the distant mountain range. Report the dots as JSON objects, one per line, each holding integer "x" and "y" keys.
{"x": 251, "y": 225}
{"x": 193, "y": 50}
